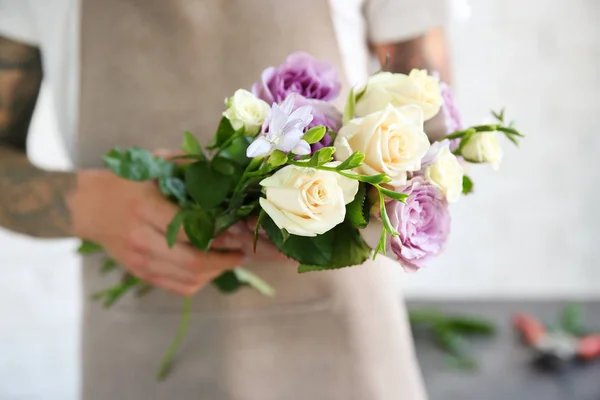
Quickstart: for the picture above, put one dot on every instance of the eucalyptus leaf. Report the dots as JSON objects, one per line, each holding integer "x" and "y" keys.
{"x": 190, "y": 146}
{"x": 174, "y": 188}
{"x": 137, "y": 164}
{"x": 207, "y": 186}
{"x": 315, "y": 134}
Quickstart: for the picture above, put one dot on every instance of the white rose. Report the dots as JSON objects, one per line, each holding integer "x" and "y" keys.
{"x": 483, "y": 147}
{"x": 307, "y": 201}
{"x": 246, "y": 110}
{"x": 399, "y": 90}
{"x": 392, "y": 141}
{"x": 446, "y": 174}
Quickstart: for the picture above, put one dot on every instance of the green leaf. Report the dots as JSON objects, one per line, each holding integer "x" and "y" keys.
{"x": 261, "y": 215}
{"x": 227, "y": 282}
{"x": 499, "y": 116}
{"x": 357, "y": 211}
{"x": 470, "y": 325}
{"x": 285, "y": 236}
{"x": 137, "y": 164}
{"x": 393, "y": 195}
{"x": 207, "y": 186}
{"x": 372, "y": 179}
{"x": 174, "y": 188}
{"x": 350, "y": 106}
{"x": 381, "y": 245}
{"x": 87, "y": 247}
{"x": 425, "y": 316}
{"x": 108, "y": 265}
{"x": 450, "y": 341}
{"x": 199, "y": 228}
{"x": 351, "y": 162}
{"x": 277, "y": 158}
{"x": 384, "y": 217}
{"x": 190, "y": 146}
{"x": 340, "y": 247}
{"x": 572, "y": 319}
{"x": 467, "y": 185}
{"x": 223, "y": 166}
{"x": 315, "y": 134}
{"x": 254, "y": 281}
{"x": 111, "y": 295}
{"x": 236, "y": 150}
{"x": 224, "y": 132}
{"x": 174, "y": 227}
{"x": 320, "y": 157}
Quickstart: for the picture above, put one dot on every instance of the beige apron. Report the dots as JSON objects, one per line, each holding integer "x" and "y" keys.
{"x": 150, "y": 70}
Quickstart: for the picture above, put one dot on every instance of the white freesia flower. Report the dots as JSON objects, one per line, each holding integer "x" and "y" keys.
{"x": 446, "y": 174}
{"x": 246, "y": 110}
{"x": 307, "y": 201}
{"x": 284, "y": 130}
{"x": 483, "y": 147}
{"x": 392, "y": 140}
{"x": 417, "y": 88}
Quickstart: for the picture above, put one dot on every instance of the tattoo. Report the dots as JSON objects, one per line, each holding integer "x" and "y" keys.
{"x": 32, "y": 201}
{"x": 424, "y": 52}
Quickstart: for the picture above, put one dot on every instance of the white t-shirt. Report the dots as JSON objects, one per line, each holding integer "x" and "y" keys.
{"x": 53, "y": 25}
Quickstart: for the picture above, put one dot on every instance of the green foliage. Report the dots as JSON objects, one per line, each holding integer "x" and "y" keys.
{"x": 393, "y": 195}
{"x": 236, "y": 150}
{"x": 111, "y": 295}
{"x": 350, "y": 106}
{"x": 340, "y": 247}
{"x": 572, "y": 319}
{"x": 254, "y": 281}
{"x": 199, "y": 227}
{"x": 108, "y": 265}
{"x": 277, "y": 159}
{"x": 321, "y": 157}
{"x": 227, "y": 282}
{"x": 173, "y": 188}
{"x": 357, "y": 211}
{"x": 174, "y": 227}
{"x": 223, "y": 166}
{"x": 208, "y": 187}
{"x": 384, "y": 217}
{"x": 351, "y": 162}
{"x": 190, "y": 146}
{"x": 224, "y": 133}
{"x": 137, "y": 164}
{"x": 467, "y": 185}
{"x": 88, "y": 247}
{"x": 315, "y": 134}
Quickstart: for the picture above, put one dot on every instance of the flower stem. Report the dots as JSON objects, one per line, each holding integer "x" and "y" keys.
{"x": 165, "y": 365}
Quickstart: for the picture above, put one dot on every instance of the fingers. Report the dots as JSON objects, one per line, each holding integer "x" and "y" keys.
{"x": 159, "y": 212}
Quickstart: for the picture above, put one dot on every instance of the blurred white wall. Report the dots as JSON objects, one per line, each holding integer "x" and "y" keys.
{"x": 529, "y": 230}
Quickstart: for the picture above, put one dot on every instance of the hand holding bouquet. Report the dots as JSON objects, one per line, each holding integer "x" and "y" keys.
{"x": 313, "y": 178}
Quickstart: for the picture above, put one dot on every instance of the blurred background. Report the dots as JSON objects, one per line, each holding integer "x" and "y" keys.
{"x": 529, "y": 231}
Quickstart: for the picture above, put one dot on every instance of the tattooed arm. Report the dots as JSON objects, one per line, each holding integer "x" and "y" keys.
{"x": 428, "y": 51}
{"x": 32, "y": 201}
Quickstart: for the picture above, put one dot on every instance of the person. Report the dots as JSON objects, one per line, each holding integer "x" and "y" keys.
{"x": 133, "y": 72}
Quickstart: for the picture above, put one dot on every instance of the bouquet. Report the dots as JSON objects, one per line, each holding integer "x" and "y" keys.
{"x": 313, "y": 177}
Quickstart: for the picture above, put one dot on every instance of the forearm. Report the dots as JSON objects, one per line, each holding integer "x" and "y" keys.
{"x": 428, "y": 51}
{"x": 33, "y": 201}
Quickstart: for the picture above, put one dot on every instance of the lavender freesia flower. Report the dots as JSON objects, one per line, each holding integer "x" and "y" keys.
{"x": 283, "y": 130}
{"x": 452, "y": 117}
{"x": 324, "y": 114}
{"x": 300, "y": 73}
{"x": 423, "y": 224}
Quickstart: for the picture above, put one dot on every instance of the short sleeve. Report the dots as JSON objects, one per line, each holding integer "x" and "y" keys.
{"x": 17, "y": 22}
{"x": 390, "y": 21}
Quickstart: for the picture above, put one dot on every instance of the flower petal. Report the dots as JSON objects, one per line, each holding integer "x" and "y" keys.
{"x": 260, "y": 147}
{"x": 302, "y": 148}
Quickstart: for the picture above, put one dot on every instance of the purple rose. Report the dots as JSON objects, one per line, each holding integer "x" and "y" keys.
{"x": 423, "y": 224}
{"x": 324, "y": 114}
{"x": 452, "y": 117}
{"x": 300, "y": 73}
